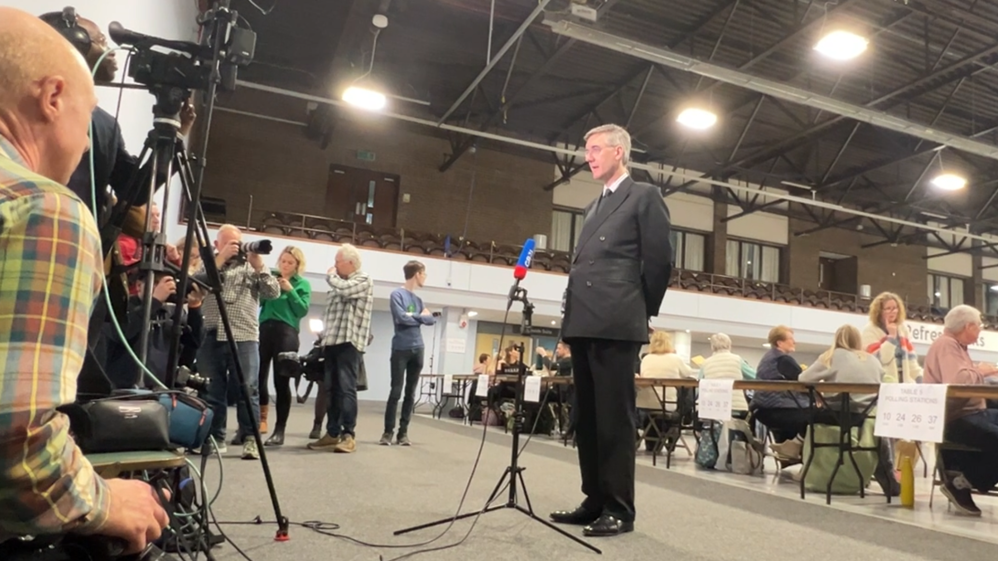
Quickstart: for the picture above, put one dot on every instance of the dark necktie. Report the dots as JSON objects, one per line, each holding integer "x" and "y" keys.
{"x": 606, "y": 193}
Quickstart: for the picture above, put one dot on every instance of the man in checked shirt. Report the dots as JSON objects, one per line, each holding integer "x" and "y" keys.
{"x": 244, "y": 284}
{"x": 50, "y": 272}
{"x": 347, "y": 323}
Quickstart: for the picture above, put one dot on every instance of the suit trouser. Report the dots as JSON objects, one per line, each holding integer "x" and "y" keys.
{"x": 605, "y": 430}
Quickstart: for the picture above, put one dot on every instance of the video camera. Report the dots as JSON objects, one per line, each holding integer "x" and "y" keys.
{"x": 190, "y": 66}
{"x": 187, "y": 379}
{"x": 312, "y": 365}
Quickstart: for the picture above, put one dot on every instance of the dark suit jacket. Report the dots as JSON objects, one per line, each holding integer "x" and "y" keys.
{"x": 621, "y": 266}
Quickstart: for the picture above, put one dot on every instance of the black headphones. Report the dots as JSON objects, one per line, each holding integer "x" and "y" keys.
{"x": 67, "y": 24}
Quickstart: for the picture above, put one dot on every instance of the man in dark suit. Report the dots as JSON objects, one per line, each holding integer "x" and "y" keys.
{"x": 619, "y": 275}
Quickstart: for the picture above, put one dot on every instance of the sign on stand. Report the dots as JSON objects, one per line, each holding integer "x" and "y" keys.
{"x": 911, "y": 412}
{"x": 714, "y": 402}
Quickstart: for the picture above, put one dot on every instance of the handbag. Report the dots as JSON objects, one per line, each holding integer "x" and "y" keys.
{"x": 131, "y": 423}
{"x": 190, "y": 419}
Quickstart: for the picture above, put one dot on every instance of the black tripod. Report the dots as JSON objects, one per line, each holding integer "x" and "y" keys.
{"x": 167, "y": 154}
{"x": 512, "y": 477}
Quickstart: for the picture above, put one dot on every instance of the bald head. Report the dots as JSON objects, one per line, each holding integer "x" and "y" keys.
{"x": 46, "y": 95}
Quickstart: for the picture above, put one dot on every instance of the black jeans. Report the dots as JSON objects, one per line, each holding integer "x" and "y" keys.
{"x": 342, "y": 364}
{"x": 276, "y": 337}
{"x": 979, "y": 431}
{"x": 785, "y": 424}
{"x": 406, "y": 367}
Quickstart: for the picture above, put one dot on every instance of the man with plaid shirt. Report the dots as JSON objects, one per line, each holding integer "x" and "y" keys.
{"x": 348, "y": 324}
{"x": 51, "y": 272}
{"x": 244, "y": 284}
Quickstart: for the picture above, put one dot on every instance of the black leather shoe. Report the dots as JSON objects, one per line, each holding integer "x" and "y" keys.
{"x": 607, "y": 525}
{"x": 579, "y": 516}
{"x": 276, "y": 439}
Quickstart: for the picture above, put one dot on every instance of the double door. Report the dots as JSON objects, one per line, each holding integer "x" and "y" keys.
{"x": 362, "y": 196}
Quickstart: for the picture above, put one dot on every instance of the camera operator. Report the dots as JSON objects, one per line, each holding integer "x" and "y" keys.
{"x": 245, "y": 282}
{"x": 113, "y": 164}
{"x": 121, "y": 367}
{"x": 50, "y": 250}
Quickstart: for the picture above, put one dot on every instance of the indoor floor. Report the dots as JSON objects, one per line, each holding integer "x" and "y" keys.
{"x": 682, "y": 514}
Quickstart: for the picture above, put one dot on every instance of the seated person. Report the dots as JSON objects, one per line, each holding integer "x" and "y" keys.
{"x": 968, "y": 421}
{"x": 846, "y": 362}
{"x": 785, "y": 413}
{"x": 122, "y": 370}
{"x": 661, "y": 362}
{"x": 52, "y": 270}
{"x": 726, "y": 365}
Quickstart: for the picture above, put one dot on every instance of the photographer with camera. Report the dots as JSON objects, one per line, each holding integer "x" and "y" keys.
{"x": 245, "y": 282}
{"x": 280, "y": 321}
{"x": 50, "y": 250}
{"x": 121, "y": 367}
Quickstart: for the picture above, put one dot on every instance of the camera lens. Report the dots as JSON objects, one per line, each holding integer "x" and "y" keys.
{"x": 260, "y": 247}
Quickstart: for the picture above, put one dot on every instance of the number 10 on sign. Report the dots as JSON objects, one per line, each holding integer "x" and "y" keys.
{"x": 911, "y": 412}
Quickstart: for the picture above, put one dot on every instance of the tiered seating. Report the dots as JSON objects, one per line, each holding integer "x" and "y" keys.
{"x": 440, "y": 245}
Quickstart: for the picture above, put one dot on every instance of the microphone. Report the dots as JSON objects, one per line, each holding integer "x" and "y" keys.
{"x": 526, "y": 258}
{"x": 520, "y": 271}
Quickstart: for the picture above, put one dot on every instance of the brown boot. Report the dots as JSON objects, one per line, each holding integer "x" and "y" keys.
{"x": 263, "y": 418}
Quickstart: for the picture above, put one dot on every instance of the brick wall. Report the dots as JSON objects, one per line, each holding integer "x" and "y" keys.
{"x": 900, "y": 269}
{"x": 282, "y": 170}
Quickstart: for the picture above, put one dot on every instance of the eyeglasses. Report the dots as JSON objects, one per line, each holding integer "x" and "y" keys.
{"x": 596, "y": 149}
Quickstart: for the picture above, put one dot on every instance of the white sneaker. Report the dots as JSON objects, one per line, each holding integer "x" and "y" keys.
{"x": 249, "y": 450}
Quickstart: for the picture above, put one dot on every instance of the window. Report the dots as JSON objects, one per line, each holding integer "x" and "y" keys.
{"x": 566, "y": 225}
{"x": 945, "y": 292}
{"x": 688, "y": 249}
{"x": 752, "y": 261}
{"x": 991, "y": 298}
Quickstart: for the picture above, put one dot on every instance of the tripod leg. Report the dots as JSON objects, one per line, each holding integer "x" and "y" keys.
{"x": 492, "y": 497}
{"x": 575, "y": 539}
{"x": 523, "y": 488}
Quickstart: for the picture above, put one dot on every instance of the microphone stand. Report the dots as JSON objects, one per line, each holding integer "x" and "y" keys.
{"x": 512, "y": 477}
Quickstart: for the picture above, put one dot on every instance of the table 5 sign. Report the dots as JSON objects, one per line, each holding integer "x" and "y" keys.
{"x": 911, "y": 412}
{"x": 714, "y": 401}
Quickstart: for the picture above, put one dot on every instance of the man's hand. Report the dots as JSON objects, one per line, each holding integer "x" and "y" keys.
{"x": 987, "y": 368}
{"x": 284, "y": 284}
{"x": 427, "y": 312}
{"x": 256, "y": 261}
{"x": 187, "y": 117}
{"x": 135, "y": 514}
{"x": 227, "y": 251}
{"x": 165, "y": 288}
{"x": 892, "y": 330}
{"x": 195, "y": 297}
{"x": 172, "y": 254}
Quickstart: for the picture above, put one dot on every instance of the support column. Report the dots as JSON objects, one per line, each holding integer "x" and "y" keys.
{"x": 976, "y": 280}
{"x": 718, "y": 239}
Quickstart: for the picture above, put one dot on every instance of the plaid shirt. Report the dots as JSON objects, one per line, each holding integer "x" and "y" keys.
{"x": 348, "y": 313}
{"x": 50, "y": 271}
{"x": 242, "y": 290}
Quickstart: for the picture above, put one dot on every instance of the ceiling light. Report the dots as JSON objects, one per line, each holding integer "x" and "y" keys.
{"x": 364, "y": 99}
{"x": 994, "y": 288}
{"x": 699, "y": 119}
{"x": 554, "y": 322}
{"x": 687, "y": 330}
{"x": 315, "y": 325}
{"x": 949, "y": 182}
{"x": 472, "y": 313}
{"x": 767, "y": 345}
{"x": 841, "y": 45}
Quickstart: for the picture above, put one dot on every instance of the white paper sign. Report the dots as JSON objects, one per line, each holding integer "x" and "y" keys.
{"x": 456, "y": 345}
{"x": 911, "y": 412}
{"x": 714, "y": 401}
{"x": 448, "y": 383}
{"x": 482, "y": 390}
{"x": 532, "y": 389}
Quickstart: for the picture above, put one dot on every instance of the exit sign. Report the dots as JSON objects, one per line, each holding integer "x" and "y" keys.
{"x": 365, "y": 155}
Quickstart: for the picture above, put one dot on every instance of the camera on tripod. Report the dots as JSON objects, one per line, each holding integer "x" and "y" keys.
{"x": 194, "y": 68}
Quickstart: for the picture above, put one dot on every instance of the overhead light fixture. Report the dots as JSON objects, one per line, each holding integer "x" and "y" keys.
{"x": 315, "y": 325}
{"x": 766, "y": 345}
{"x": 472, "y": 313}
{"x": 994, "y": 288}
{"x": 699, "y": 119}
{"x": 841, "y": 45}
{"x": 364, "y": 98}
{"x": 554, "y": 322}
{"x": 949, "y": 182}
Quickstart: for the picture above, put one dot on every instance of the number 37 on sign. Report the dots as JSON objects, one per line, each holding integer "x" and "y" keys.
{"x": 911, "y": 412}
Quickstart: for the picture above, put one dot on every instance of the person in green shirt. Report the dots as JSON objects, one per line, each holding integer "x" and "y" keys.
{"x": 280, "y": 320}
